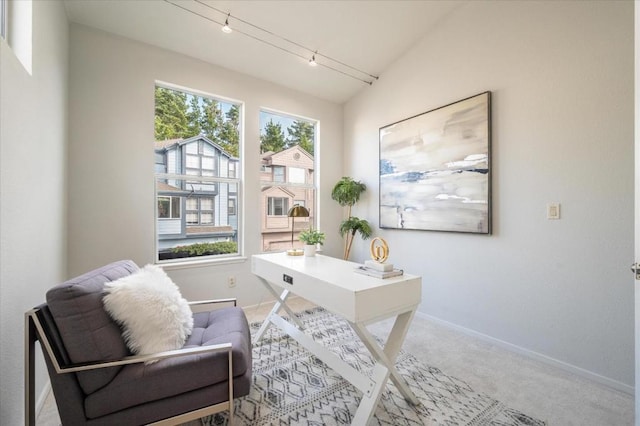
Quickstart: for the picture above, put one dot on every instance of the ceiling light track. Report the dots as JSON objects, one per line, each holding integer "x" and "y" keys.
{"x": 313, "y": 62}
{"x": 315, "y": 52}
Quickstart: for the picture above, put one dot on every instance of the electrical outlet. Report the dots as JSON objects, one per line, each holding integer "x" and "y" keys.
{"x": 231, "y": 281}
{"x": 287, "y": 279}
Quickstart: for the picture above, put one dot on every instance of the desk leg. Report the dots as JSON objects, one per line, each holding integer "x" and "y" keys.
{"x": 280, "y": 303}
{"x": 385, "y": 365}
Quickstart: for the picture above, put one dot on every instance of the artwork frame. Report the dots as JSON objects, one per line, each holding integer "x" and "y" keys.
{"x": 435, "y": 169}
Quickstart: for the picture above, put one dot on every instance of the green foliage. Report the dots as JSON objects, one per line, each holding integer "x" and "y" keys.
{"x": 171, "y": 119}
{"x": 347, "y": 191}
{"x": 211, "y": 119}
{"x": 229, "y": 135}
{"x": 311, "y": 236}
{"x": 207, "y": 249}
{"x": 182, "y": 115}
{"x": 273, "y": 138}
{"x": 355, "y": 225}
{"x": 194, "y": 117}
{"x": 301, "y": 133}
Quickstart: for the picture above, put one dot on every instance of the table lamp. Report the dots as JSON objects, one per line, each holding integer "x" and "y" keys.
{"x": 296, "y": 211}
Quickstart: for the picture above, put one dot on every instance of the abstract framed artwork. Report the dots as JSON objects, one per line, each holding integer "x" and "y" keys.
{"x": 435, "y": 169}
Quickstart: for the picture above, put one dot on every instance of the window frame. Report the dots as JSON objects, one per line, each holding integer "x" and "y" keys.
{"x": 171, "y": 205}
{"x": 271, "y": 207}
{"x": 272, "y": 226}
{"x": 281, "y": 176}
{"x": 4, "y": 11}
{"x": 198, "y": 211}
{"x": 236, "y": 182}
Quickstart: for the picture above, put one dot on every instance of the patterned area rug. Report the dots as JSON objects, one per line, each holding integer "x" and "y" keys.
{"x": 292, "y": 387}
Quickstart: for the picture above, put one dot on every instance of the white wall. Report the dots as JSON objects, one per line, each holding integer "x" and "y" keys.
{"x": 561, "y": 74}
{"x": 111, "y": 161}
{"x": 33, "y": 137}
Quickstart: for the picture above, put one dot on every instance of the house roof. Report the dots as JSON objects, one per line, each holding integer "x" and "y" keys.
{"x": 171, "y": 143}
{"x": 279, "y": 190}
{"x": 166, "y": 143}
{"x": 269, "y": 156}
{"x": 166, "y": 187}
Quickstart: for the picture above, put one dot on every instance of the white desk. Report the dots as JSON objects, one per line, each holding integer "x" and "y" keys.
{"x": 332, "y": 284}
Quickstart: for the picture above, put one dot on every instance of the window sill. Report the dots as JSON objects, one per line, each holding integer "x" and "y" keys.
{"x": 200, "y": 263}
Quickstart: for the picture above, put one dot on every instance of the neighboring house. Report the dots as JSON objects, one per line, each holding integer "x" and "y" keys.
{"x": 195, "y": 211}
{"x": 287, "y": 179}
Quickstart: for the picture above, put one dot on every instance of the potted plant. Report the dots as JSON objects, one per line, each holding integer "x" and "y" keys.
{"x": 311, "y": 238}
{"x": 347, "y": 192}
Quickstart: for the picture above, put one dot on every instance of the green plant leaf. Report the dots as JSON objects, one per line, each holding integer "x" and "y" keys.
{"x": 347, "y": 191}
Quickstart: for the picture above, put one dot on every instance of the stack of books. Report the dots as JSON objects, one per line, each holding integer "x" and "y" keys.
{"x": 377, "y": 273}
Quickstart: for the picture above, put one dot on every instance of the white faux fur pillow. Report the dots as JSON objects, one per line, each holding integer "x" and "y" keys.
{"x": 150, "y": 308}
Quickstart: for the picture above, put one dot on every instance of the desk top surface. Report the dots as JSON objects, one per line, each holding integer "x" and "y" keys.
{"x": 331, "y": 270}
{"x": 333, "y": 284}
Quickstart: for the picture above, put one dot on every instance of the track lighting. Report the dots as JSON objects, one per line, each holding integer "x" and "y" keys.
{"x": 284, "y": 44}
{"x": 227, "y": 29}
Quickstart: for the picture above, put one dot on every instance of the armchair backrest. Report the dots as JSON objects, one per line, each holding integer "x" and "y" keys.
{"x": 86, "y": 330}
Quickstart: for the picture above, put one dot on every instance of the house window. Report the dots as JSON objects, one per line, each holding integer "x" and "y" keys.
{"x": 287, "y": 146}
{"x": 278, "y": 174}
{"x": 196, "y": 135}
{"x": 277, "y": 206}
{"x": 199, "y": 211}
{"x": 296, "y": 174}
{"x": 168, "y": 207}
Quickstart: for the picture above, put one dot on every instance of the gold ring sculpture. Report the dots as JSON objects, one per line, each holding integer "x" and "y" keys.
{"x": 379, "y": 252}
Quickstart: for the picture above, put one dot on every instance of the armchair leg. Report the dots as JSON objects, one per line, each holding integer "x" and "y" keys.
{"x": 29, "y": 372}
{"x": 230, "y": 388}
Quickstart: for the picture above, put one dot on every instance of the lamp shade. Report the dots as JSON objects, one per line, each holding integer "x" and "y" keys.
{"x": 298, "y": 211}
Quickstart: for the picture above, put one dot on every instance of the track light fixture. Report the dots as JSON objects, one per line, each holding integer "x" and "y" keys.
{"x": 285, "y": 44}
{"x": 312, "y": 61}
{"x": 227, "y": 29}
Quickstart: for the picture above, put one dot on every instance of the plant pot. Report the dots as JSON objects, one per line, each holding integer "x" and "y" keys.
{"x": 309, "y": 249}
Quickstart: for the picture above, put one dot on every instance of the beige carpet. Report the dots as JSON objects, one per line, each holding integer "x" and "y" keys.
{"x": 529, "y": 386}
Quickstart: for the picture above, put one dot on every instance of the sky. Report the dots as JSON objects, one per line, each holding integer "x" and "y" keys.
{"x": 284, "y": 120}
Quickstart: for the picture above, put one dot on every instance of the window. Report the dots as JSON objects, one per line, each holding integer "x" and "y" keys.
{"x": 16, "y": 27}
{"x": 197, "y": 160}
{"x": 3, "y": 18}
{"x": 199, "y": 211}
{"x": 278, "y": 174}
{"x": 168, "y": 207}
{"x": 296, "y": 175}
{"x": 287, "y": 145}
{"x": 277, "y": 206}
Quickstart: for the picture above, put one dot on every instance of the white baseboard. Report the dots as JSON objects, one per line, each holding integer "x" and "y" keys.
{"x": 586, "y": 374}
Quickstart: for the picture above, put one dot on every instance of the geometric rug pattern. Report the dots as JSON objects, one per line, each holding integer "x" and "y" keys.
{"x": 293, "y": 387}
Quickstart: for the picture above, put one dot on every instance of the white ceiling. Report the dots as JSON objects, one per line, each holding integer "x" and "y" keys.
{"x": 367, "y": 35}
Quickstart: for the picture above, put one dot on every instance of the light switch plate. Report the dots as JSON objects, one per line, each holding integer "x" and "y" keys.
{"x": 553, "y": 211}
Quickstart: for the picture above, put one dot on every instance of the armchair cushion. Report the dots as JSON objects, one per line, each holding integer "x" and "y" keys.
{"x": 154, "y": 315}
{"x": 139, "y": 383}
{"x": 88, "y": 333}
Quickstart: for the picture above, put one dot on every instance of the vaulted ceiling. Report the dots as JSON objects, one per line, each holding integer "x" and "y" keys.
{"x": 363, "y": 35}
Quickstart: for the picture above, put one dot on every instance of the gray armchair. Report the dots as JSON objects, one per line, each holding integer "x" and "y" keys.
{"x": 96, "y": 380}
